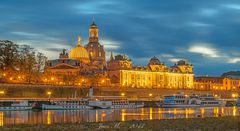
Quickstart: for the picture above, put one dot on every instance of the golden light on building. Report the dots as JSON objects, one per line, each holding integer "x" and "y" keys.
{"x": 122, "y": 94}
{"x": 19, "y": 77}
{"x": 52, "y": 78}
{"x": 215, "y": 95}
{"x": 150, "y": 94}
{"x": 4, "y": 74}
{"x": 234, "y": 95}
{"x": 10, "y": 78}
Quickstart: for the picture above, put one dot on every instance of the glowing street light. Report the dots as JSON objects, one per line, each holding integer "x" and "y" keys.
{"x": 234, "y": 95}
{"x": 122, "y": 94}
{"x": 150, "y": 94}
{"x": 10, "y": 78}
{"x": 4, "y": 74}
{"x": 2, "y": 92}
{"x": 49, "y": 93}
{"x": 19, "y": 77}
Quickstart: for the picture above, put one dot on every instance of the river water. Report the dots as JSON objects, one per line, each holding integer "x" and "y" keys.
{"x": 100, "y": 115}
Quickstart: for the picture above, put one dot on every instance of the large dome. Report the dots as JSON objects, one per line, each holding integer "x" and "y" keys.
{"x": 80, "y": 53}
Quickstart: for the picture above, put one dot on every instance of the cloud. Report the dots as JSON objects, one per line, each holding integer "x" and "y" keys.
{"x": 204, "y": 50}
{"x": 233, "y": 6}
{"x": 209, "y": 12}
{"x": 199, "y": 24}
{"x": 233, "y": 60}
{"x": 110, "y": 44}
{"x": 170, "y": 58}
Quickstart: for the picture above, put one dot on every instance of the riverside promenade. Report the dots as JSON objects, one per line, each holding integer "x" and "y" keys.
{"x": 40, "y": 91}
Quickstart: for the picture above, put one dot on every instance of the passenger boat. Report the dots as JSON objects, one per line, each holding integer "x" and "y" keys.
{"x": 14, "y": 105}
{"x": 66, "y": 104}
{"x": 113, "y": 102}
{"x": 211, "y": 101}
{"x": 180, "y": 100}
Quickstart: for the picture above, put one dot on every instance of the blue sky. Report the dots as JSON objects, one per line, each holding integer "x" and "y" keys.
{"x": 206, "y": 32}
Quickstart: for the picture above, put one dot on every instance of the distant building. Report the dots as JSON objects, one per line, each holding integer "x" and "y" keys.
{"x": 216, "y": 83}
{"x": 117, "y": 63}
{"x": 63, "y": 66}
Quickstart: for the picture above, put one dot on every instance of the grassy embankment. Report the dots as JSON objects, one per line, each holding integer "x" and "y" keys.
{"x": 193, "y": 124}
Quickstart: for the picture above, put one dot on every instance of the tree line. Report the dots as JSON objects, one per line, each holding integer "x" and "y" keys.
{"x": 20, "y": 60}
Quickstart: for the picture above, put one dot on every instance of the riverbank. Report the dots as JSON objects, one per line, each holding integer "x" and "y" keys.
{"x": 193, "y": 124}
{"x": 40, "y": 91}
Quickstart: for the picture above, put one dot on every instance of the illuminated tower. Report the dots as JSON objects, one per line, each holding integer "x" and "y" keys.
{"x": 95, "y": 49}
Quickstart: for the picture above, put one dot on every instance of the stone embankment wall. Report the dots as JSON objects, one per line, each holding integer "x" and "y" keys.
{"x": 32, "y": 91}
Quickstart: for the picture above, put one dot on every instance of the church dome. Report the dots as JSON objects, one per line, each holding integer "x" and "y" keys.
{"x": 154, "y": 61}
{"x": 80, "y": 53}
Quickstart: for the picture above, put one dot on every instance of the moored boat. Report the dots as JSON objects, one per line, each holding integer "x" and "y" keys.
{"x": 113, "y": 102}
{"x": 180, "y": 100}
{"x": 14, "y": 105}
{"x": 66, "y": 104}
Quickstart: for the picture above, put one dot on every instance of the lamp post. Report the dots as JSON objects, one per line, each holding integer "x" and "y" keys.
{"x": 150, "y": 96}
{"x": 2, "y": 92}
{"x": 49, "y": 93}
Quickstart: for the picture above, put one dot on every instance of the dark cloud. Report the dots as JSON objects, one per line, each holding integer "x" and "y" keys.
{"x": 142, "y": 29}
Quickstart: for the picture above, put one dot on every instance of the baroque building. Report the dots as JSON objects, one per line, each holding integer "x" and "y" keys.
{"x": 80, "y": 53}
{"x": 156, "y": 75}
{"x": 90, "y": 58}
{"x": 94, "y": 48}
{"x": 63, "y": 65}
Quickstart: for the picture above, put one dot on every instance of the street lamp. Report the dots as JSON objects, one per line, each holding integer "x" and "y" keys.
{"x": 234, "y": 95}
{"x": 2, "y": 92}
{"x": 49, "y": 93}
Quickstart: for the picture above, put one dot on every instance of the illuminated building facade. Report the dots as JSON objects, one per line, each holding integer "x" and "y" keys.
{"x": 63, "y": 66}
{"x": 117, "y": 63}
{"x": 156, "y": 75}
{"x": 81, "y": 59}
{"x": 216, "y": 83}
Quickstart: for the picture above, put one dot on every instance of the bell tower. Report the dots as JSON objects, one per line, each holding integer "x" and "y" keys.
{"x": 95, "y": 49}
{"x": 93, "y": 33}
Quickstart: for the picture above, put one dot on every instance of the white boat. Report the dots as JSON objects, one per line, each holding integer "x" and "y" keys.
{"x": 211, "y": 101}
{"x": 113, "y": 102}
{"x": 70, "y": 104}
{"x": 180, "y": 100}
{"x": 14, "y": 105}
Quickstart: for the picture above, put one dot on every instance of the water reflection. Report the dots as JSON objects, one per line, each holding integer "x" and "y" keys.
{"x": 74, "y": 116}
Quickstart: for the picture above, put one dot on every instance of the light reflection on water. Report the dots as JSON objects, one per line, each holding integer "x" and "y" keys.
{"x": 74, "y": 116}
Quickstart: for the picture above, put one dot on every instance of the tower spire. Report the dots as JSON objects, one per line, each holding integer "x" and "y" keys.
{"x": 79, "y": 41}
{"x": 111, "y": 56}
